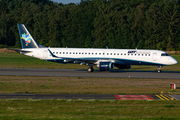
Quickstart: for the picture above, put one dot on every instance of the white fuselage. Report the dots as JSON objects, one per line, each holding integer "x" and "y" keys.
{"x": 117, "y": 56}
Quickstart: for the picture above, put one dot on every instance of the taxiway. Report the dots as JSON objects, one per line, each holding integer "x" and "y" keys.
{"x": 96, "y": 73}
{"x": 87, "y": 97}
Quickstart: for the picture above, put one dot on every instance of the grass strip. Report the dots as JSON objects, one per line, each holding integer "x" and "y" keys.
{"x": 88, "y": 109}
{"x": 85, "y": 85}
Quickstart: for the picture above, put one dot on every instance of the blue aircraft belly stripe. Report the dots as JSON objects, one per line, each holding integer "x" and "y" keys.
{"x": 125, "y": 61}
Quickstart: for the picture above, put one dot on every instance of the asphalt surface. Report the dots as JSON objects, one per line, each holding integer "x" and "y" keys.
{"x": 86, "y": 97}
{"x": 96, "y": 73}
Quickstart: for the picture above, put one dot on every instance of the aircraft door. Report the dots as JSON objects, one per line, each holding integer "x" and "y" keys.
{"x": 154, "y": 56}
{"x": 45, "y": 53}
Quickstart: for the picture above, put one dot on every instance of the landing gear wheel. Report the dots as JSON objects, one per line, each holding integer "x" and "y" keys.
{"x": 159, "y": 71}
{"x": 90, "y": 69}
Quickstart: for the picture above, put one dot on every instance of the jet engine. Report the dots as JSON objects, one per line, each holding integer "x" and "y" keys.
{"x": 105, "y": 66}
{"x": 123, "y": 66}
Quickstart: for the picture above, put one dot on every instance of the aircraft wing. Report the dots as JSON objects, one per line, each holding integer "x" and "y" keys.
{"x": 67, "y": 59}
{"x": 87, "y": 60}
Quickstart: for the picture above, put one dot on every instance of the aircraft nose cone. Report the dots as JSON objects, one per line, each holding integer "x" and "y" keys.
{"x": 174, "y": 61}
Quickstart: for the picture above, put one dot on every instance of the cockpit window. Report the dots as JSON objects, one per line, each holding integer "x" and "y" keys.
{"x": 165, "y": 54}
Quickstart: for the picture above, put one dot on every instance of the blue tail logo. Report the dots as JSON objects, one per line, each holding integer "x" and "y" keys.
{"x": 26, "y": 38}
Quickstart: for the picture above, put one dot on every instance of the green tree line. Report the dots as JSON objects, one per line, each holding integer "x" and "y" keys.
{"x": 141, "y": 24}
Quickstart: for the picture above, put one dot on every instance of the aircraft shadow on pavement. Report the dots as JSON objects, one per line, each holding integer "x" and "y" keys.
{"x": 144, "y": 71}
{"x": 121, "y": 71}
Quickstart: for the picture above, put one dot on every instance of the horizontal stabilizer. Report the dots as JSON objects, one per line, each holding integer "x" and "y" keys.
{"x": 18, "y": 50}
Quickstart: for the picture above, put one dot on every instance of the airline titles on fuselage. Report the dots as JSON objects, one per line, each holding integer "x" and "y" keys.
{"x": 135, "y": 52}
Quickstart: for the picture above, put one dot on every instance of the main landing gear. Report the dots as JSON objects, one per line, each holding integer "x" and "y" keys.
{"x": 90, "y": 69}
{"x": 159, "y": 69}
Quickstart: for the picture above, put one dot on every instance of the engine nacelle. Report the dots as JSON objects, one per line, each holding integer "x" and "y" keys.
{"x": 105, "y": 66}
{"x": 123, "y": 66}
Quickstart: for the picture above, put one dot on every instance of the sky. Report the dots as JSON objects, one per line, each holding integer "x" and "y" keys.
{"x": 67, "y": 1}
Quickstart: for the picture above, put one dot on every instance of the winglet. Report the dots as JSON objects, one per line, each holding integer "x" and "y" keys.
{"x": 52, "y": 54}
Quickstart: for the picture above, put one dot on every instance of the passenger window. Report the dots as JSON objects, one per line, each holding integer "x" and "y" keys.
{"x": 96, "y": 53}
{"x": 114, "y": 53}
{"x": 107, "y": 53}
{"x": 66, "y": 52}
{"x": 70, "y": 53}
{"x": 111, "y": 53}
{"x": 59, "y": 52}
{"x": 124, "y": 53}
{"x": 103, "y": 53}
{"x": 63, "y": 52}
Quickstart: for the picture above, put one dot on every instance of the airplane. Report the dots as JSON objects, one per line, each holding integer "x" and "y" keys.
{"x": 104, "y": 59}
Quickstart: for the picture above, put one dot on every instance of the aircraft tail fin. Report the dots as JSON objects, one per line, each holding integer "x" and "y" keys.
{"x": 27, "y": 41}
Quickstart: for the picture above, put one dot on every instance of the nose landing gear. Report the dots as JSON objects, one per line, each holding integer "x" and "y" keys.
{"x": 159, "y": 69}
